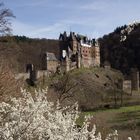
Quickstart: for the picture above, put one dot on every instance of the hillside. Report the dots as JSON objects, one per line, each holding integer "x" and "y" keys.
{"x": 92, "y": 88}
{"x": 122, "y": 47}
{"x": 125, "y": 120}
{"x": 19, "y": 51}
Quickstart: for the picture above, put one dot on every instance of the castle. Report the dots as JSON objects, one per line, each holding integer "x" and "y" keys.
{"x": 59, "y": 56}
{"x": 76, "y": 51}
{"x": 68, "y": 52}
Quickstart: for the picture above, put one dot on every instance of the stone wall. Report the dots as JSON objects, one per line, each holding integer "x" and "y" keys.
{"x": 127, "y": 86}
{"x": 97, "y": 56}
{"x": 135, "y": 79}
{"x": 52, "y": 66}
{"x": 25, "y": 76}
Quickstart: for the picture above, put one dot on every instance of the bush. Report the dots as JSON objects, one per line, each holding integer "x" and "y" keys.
{"x": 9, "y": 86}
{"x": 34, "y": 118}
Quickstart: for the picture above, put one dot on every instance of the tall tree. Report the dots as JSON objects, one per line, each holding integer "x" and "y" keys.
{"x": 5, "y": 16}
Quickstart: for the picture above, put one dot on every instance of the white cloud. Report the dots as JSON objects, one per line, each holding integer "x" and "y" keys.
{"x": 21, "y": 28}
{"x": 94, "y": 6}
{"x": 49, "y": 31}
{"x": 31, "y": 3}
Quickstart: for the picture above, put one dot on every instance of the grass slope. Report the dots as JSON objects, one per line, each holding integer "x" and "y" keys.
{"x": 125, "y": 119}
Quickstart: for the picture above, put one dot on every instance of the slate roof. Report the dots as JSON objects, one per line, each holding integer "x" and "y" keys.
{"x": 51, "y": 57}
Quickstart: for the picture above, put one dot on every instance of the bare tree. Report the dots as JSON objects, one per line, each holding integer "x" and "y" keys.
{"x": 5, "y": 16}
{"x": 8, "y": 85}
{"x": 66, "y": 87}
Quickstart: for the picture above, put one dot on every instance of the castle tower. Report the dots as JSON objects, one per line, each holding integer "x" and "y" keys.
{"x": 97, "y": 54}
{"x": 67, "y": 64}
{"x": 63, "y": 37}
{"x": 73, "y": 42}
{"x": 30, "y": 68}
{"x": 78, "y": 60}
{"x": 135, "y": 79}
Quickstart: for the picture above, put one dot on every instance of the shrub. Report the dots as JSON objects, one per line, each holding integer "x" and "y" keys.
{"x": 8, "y": 84}
{"x": 34, "y": 118}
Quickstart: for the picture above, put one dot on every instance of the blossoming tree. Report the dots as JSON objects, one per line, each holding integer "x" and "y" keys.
{"x": 34, "y": 118}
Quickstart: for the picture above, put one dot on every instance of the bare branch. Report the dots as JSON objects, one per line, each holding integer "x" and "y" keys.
{"x": 65, "y": 87}
{"x": 5, "y": 16}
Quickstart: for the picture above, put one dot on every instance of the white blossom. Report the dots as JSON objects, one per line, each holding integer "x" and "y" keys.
{"x": 33, "y": 117}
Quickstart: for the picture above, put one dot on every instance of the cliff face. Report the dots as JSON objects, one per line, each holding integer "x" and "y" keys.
{"x": 122, "y": 47}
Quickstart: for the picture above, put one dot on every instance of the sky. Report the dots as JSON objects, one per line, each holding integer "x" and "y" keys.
{"x": 49, "y": 18}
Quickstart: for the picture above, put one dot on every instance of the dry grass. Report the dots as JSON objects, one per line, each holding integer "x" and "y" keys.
{"x": 8, "y": 85}
{"x": 126, "y": 120}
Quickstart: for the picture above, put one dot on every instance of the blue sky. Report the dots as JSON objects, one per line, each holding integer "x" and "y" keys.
{"x": 94, "y": 18}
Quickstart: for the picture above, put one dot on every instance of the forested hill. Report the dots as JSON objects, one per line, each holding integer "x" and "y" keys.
{"x": 122, "y": 47}
{"x": 19, "y": 51}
